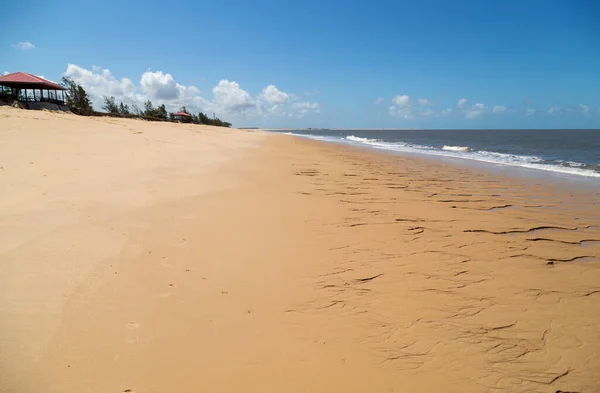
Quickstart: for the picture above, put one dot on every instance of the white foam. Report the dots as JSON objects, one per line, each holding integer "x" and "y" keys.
{"x": 531, "y": 162}
{"x": 456, "y": 148}
{"x": 359, "y": 139}
{"x": 572, "y": 163}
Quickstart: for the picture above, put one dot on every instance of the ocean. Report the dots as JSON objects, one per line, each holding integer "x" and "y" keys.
{"x": 570, "y": 152}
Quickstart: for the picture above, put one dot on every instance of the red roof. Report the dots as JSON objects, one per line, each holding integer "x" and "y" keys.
{"x": 181, "y": 114}
{"x": 27, "y": 81}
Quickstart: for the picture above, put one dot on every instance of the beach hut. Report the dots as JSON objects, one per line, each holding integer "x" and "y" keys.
{"x": 32, "y": 91}
{"x": 182, "y": 116}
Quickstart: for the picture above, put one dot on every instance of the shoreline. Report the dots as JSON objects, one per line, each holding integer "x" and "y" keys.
{"x": 169, "y": 256}
{"x": 531, "y": 170}
{"x": 551, "y": 178}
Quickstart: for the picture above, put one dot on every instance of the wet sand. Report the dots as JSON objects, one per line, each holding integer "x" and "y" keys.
{"x": 153, "y": 257}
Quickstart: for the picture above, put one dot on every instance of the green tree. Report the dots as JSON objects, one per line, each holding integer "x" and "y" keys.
{"x": 124, "y": 109}
{"x": 203, "y": 118}
{"x": 149, "y": 110}
{"x": 135, "y": 109}
{"x": 77, "y": 98}
{"x": 161, "y": 112}
{"x": 110, "y": 105}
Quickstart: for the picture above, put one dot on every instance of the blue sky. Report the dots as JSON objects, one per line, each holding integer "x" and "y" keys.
{"x": 518, "y": 64}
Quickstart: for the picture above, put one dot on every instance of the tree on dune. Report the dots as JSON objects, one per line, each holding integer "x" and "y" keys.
{"x": 80, "y": 103}
{"x": 77, "y": 98}
{"x": 149, "y": 110}
{"x": 124, "y": 109}
{"x": 204, "y": 119}
{"x": 161, "y": 112}
{"x": 110, "y": 105}
{"x": 135, "y": 110}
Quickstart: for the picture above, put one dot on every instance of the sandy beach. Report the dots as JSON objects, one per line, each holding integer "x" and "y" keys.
{"x": 155, "y": 257}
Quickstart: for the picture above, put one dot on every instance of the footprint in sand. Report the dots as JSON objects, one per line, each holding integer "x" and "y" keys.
{"x": 163, "y": 295}
{"x": 132, "y": 325}
{"x": 131, "y": 338}
{"x": 164, "y": 262}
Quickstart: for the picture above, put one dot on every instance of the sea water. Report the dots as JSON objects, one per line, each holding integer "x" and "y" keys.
{"x": 569, "y": 152}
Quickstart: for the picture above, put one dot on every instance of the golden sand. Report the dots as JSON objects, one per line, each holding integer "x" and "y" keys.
{"x": 153, "y": 257}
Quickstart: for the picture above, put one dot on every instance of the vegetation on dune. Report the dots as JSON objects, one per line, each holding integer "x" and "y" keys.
{"x": 77, "y": 98}
{"x": 158, "y": 113}
{"x": 79, "y": 102}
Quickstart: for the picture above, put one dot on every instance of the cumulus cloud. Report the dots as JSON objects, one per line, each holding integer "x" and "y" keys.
{"x": 25, "y": 45}
{"x": 424, "y": 102}
{"x": 379, "y": 101}
{"x": 475, "y": 111}
{"x": 585, "y": 109}
{"x": 273, "y": 95}
{"x": 446, "y": 111}
{"x": 100, "y": 82}
{"x": 555, "y": 110}
{"x": 229, "y": 98}
{"x": 401, "y": 100}
{"x": 498, "y": 109}
{"x": 530, "y": 111}
{"x": 5, "y": 73}
{"x": 305, "y": 107}
{"x": 161, "y": 86}
{"x": 579, "y": 109}
{"x": 403, "y": 112}
{"x": 472, "y": 112}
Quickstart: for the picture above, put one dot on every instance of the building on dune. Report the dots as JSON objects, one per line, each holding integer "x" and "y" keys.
{"x": 182, "y": 116}
{"x": 32, "y": 92}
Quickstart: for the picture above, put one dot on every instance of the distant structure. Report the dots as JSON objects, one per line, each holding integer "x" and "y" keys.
{"x": 33, "y": 92}
{"x": 180, "y": 116}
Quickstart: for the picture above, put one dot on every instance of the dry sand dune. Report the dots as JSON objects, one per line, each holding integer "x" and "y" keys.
{"x": 148, "y": 257}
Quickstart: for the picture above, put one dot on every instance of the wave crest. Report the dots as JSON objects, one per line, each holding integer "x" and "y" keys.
{"x": 456, "y": 148}
{"x": 359, "y": 139}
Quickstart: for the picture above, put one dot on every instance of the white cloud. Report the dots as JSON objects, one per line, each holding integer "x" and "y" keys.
{"x": 273, "y": 96}
{"x": 401, "y": 100}
{"x": 304, "y": 107}
{"x": 26, "y": 45}
{"x": 100, "y": 82}
{"x": 5, "y": 73}
{"x": 428, "y": 112}
{"x": 499, "y": 109}
{"x": 424, "y": 102}
{"x": 475, "y": 111}
{"x": 162, "y": 86}
{"x": 446, "y": 111}
{"x": 575, "y": 109}
{"x": 404, "y": 112}
{"x": 530, "y": 111}
{"x": 555, "y": 110}
{"x": 379, "y": 101}
{"x": 231, "y": 97}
